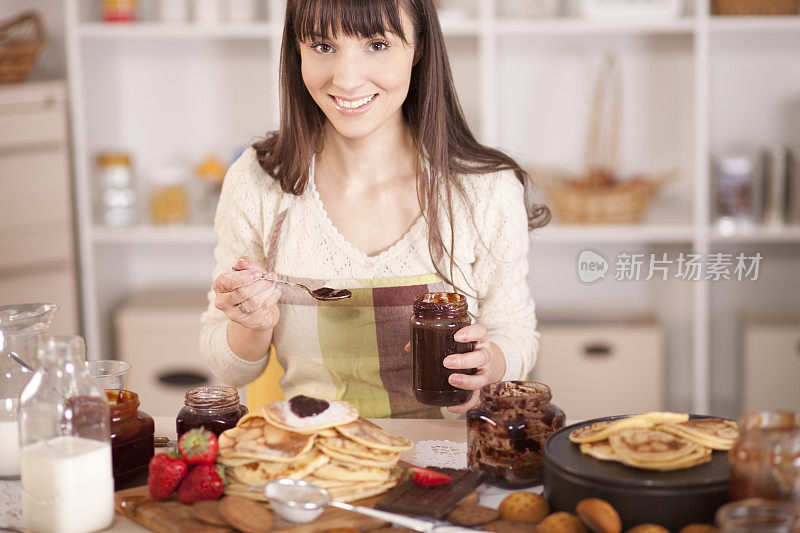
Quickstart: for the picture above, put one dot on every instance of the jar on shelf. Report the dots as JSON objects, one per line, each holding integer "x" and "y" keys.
{"x": 216, "y": 408}
{"x": 119, "y": 10}
{"x": 765, "y": 459}
{"x": 67, "y": 482}
{"x": 131, "y": 433}
{"x": 506, "y": 432}
{"x": 21, "y": 327}
{"x": 115, "y": 195}
{"x": 169, "y": 199}
{"x": 436, "y": 318}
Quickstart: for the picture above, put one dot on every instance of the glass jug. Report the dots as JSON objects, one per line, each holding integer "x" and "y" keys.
{"x": 66, "y": 475}
{"x": 21, "y": 327}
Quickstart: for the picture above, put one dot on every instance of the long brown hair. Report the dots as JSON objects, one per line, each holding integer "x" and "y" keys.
{"x": 431, "y": 109}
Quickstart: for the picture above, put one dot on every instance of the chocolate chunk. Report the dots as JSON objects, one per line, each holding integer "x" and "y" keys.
{"x": 304, "y": 406}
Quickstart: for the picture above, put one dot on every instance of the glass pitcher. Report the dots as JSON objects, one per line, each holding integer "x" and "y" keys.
{"x": 66, "y": 476}
{"x": 21, "y": 327}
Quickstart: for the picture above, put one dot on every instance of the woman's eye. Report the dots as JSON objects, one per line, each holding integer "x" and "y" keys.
{"x": 378, "y": 46}
{"x": 323, "y": 48}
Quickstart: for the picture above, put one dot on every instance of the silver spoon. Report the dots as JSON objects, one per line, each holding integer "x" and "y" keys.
{"x": 323, "y": 293}
{"x": 21, "y": 362}
{"x": 302, "y": 502}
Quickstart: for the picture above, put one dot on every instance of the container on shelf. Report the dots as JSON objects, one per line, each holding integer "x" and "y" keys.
{"x": 119, "y": 10}
{"x": 756, "y": 7}
{"x": 115, "y": 194}
{"x": 242, "y": 11}
{"x": 774, "y": 182}
{"x": 169, "y": 198}
{"x": 208, "y": 11}
{"x": 173, "y": 11}
{"x": 737, "y": 191}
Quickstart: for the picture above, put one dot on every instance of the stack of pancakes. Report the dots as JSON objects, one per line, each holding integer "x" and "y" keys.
{"x": 656, "y": 441}
{"x": 336, "y": 449}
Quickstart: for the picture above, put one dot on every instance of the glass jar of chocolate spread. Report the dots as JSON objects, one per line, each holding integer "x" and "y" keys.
{"x": 216, "y": 408}
{"x": 765, "y": 459}
{"x": 437, "y": 316}
{"x": 507, "y": 429}
{"x": 131, "y": 435}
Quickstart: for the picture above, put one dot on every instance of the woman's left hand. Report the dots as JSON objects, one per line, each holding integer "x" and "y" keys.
{"x": 486, "y": 357}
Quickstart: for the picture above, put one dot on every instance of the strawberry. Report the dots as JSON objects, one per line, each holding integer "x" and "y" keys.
{"x": 428, "y": 478}
{"x": 204, "y": 482}
{"x": 198, "y": 446}
{"x": 165, "y": 473}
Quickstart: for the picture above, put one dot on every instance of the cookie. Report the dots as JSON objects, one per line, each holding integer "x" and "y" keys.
{"x": 469, "y": 499}
{"x": 507, "y": 526}
{"x": 698, "y": 528}
{"x": 600, "y": 516}
{"x": 561, "y": 522}
{"x": 246, "y": 515}
{"x": 472, "y": 515}
{"x": 208, "y": 511}
{"x": 648, "y": 528}
{"x": 524, "y": 506}
{"x": 341, "y": 530}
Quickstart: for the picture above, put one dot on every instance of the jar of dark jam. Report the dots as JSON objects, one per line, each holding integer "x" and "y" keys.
{"x": 507, "y": 429}
{"x": 216, "y": 408}
{"x": 131, "y": 435}
{"x": 437, "y": 316}
{"x": 765, "y": 459}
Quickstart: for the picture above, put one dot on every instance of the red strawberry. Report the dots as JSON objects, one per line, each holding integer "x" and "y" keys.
{"x": 165, "y": 473}
{"x": 428, "y": 478}
{"x": 198, "y": 446}
{"x": 204, "y": 482}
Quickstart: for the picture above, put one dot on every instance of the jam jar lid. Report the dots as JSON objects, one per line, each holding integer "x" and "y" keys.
{"x": 215, "y": 397}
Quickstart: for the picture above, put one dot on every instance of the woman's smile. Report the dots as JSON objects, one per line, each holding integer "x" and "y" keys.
{"x": 355, "y": 106}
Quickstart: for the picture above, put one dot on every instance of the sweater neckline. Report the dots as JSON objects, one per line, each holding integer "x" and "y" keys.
{"x": 351, "y": 250}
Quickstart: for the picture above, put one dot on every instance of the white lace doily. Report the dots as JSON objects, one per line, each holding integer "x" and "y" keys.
{"x": 441, "y": 453}
{"x": 11, "y": 504}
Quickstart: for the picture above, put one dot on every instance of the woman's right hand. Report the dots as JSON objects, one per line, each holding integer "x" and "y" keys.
{"x": 245, "y": 298}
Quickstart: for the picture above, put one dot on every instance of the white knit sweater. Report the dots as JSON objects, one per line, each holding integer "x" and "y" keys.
{"x": 492, "y": 255}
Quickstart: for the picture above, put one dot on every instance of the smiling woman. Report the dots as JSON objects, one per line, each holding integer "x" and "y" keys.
{"x": 373, "y": 183}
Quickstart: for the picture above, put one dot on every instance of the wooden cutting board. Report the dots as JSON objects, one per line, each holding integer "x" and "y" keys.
{"x": 171, "y": 516}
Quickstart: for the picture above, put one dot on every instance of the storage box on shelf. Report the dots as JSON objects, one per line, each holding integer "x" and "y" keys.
{"x": 599, "y": 367}
{"x": 770, "y": 361}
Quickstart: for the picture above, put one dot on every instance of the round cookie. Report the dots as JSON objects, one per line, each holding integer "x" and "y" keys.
{"x": 208, "y": 511}
{"x": 698, "y": 528}
{"x": 507, "y": 526}
{"x": 561, "y": 522}
{"x": 599, "y": 516}
{"x": 469, "y": 499}
{"x": 472, "y": 515}
{"x": 648, "y": 528}
{"x": 246, "y": 515}
{"x": 524, "y": 506}
{"x": 341, "y": 530}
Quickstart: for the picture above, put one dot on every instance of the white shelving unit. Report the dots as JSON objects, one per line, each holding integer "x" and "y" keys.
{"x": 525, "y": 86}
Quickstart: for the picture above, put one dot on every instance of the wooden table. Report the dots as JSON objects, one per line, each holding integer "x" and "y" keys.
{"x": 416, "y": 430}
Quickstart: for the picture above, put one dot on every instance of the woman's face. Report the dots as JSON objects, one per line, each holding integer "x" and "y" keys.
{"x": 360, "y": 84}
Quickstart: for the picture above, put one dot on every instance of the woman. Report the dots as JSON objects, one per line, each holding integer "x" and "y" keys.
{"x": 373, "y": 183}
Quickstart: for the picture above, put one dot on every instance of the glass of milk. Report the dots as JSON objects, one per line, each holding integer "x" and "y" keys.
{"x": 67, "y": 481}
{"x": 21, "y": 327}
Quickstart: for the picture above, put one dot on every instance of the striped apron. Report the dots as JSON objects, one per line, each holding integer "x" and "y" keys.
{"x": 350, "y": 349}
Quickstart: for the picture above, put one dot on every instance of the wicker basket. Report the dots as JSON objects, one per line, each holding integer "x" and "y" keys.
{"x": 596, "y": 197}
{"x": 756, "y": 7}
{"x": 21, "y": 40}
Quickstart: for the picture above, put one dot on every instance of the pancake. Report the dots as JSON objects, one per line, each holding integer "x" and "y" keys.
{"x": 599, "y": 450}
{"x": 371, "y": 435}
{"x": 265, "y": 441}
{"x": 280, "y": 414}
{"x": 650, "y": 446}
{"x": 714, "y": 433}
{"x": 379, "y": 460}
{"x": 259, "y": 472}
{"x": 699, "y": 456}
{"x": 336, "y": 470}
{"x": 600, "y": 431}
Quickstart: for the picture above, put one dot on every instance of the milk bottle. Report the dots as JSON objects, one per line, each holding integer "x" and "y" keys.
{"x": 67, "y": 481}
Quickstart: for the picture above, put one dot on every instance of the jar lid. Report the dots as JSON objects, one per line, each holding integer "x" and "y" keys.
{"x": 108, "y": 159}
